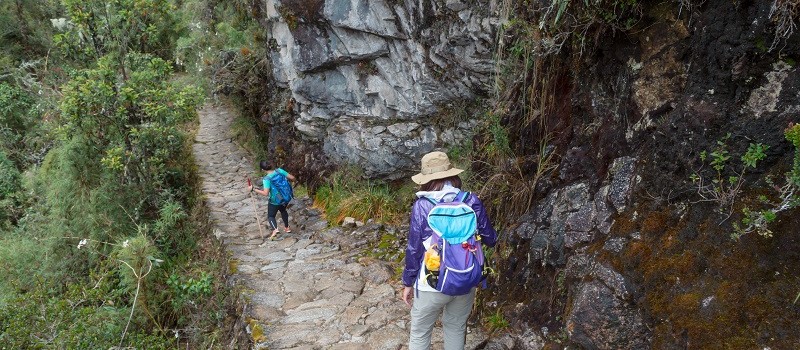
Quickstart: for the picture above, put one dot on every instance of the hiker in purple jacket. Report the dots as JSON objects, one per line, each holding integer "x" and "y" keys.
{"x": 438, "y": 182}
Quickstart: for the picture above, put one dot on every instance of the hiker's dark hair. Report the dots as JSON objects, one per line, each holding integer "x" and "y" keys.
{"x": 266, "y": 165}
{"x": 438, "y": 184}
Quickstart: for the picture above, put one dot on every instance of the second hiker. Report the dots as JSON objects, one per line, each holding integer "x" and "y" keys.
{"x": 279, "y": 191}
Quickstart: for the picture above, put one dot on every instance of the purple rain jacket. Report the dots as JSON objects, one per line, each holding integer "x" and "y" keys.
{"x": 419, "y": 231}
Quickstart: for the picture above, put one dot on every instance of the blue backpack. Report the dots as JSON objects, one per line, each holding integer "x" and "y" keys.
{"x": 279, "y": 188}
{"x": 456, "y": 239}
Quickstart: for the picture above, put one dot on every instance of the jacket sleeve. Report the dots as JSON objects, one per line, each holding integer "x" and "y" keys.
{"x": 417, "y": 233}
{"x": 485, "y": 228}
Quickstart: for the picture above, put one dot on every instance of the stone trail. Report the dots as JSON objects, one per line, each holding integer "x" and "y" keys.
{"x": 307, "y": 289}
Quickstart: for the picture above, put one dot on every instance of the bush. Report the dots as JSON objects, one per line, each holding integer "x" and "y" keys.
{"x": 15, "y": 121}
{"x": 114, "y": 209}
{"x": 9, "y": 191}
{"x": 101, "y": 27}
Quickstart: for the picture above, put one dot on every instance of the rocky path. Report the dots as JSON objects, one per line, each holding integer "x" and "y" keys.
{"x": 307, "y": 289}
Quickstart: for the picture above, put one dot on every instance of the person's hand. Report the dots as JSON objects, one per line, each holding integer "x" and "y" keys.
{"x": 250, "y": 188}
{"x": 407, "y": 295}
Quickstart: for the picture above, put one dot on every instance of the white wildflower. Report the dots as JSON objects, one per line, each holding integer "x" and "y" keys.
{"x": 82, "y": 243}
{"x": 125, "y": 244}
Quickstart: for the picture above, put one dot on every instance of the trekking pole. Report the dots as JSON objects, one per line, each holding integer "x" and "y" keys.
{"x": 255, "y": 209}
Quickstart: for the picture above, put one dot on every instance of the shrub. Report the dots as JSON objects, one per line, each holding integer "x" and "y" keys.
{"x": 15, "y": 121}
{"x": 9, "y": 191}
{"x": 102, "y": 27}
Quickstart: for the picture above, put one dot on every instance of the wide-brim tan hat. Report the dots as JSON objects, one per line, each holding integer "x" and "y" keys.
{"x": 435, "y": 165}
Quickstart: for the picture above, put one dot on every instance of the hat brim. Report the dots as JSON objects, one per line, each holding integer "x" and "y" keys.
{"x": 421, "y": 179}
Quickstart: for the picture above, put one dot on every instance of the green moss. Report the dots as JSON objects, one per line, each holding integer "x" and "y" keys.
{"x": 256, "y": 331}
{"x": 702, "y": 289}
{"x": 233, "y": 266}
{"x": 761, "y": 45}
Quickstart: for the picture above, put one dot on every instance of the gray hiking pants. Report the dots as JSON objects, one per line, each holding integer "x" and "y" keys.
{"x": 426, "y": 309}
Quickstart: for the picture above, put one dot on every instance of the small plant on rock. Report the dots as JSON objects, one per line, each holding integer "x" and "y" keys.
{"x": 497, "y": 321}
{"x": 723, "y": 188}
{"x": 788, "y": 195}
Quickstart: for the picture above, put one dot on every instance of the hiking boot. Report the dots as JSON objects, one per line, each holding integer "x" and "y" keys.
{"x": 287, "y": 229}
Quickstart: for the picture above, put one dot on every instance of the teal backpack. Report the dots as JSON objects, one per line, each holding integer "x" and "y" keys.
{"x": 280, "y": 190}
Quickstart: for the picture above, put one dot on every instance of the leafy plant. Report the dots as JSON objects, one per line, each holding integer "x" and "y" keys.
{"x": 788, "y": 195}
{"x": 724, "y": 186}
{"x": 16, "y": 122}
{"x": 9, "y": 190}
{"x": 499, "y": 144}
{"x": 102, "y": 27}
{"x": 187, "y": 292}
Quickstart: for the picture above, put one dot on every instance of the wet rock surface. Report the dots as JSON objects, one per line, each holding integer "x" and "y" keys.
{"x": 307, "y": 289}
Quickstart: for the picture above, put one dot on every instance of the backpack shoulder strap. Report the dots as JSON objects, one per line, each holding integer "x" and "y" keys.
{"x": 461, "y": 196}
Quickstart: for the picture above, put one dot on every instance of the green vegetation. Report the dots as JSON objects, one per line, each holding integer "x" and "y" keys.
{"x": 496, "y": 321}
{"x": 723, "y": 187}
{"x": 246, "y": 132}
{"x": 98, "y": 192}
{"x": 347, "y": 194}
{"x": 222, "y": 45}
{"x": 787, "y": 195}
{"x": 726, "y": 185}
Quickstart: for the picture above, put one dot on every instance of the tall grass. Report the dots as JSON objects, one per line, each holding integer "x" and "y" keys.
{"x": 348, "y": 194}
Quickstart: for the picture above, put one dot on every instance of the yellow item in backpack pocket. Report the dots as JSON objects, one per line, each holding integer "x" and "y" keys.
{"x": 432, "y": 260}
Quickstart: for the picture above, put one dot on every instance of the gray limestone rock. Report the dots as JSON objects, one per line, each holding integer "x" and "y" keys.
{"x": 598, "y": 319}
{"x": 378, "y": 272}
{"x": 388, "y": 338}
{"x": 367, "y": 75}
{"x": 583, "y": 265}
{"x": 615, "y": 244}
{"x": 622, "y": 172}
{"x": 308, "y": 315}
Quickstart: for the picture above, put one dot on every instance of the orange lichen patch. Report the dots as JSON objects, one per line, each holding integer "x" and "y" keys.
{"x": 656, "y": 223}
{"x": 703, "y": 290}
{"x": 606, "y": 256}
{"x": 680, "y": 268}
{"x": 623, "y": 226}
{"x": 669, "y": 240}
{"x": 637, "y": 251}
{"x": 682, "y": 310}
{"x": 233, "y": 266}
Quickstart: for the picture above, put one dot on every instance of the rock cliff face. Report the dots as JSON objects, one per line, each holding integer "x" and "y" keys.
{"x": 618, "y": 251}
{"x": 368, "y": 76}
{"x": 621, "y": 252}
